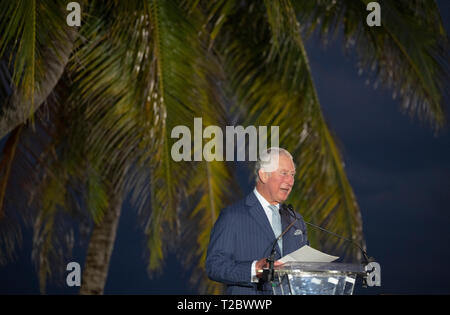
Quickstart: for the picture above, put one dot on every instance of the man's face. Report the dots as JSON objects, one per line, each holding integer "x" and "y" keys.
{"x": 280, "y": 182}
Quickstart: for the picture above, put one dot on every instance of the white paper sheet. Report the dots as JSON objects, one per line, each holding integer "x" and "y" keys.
{"x": 308, "y": 254}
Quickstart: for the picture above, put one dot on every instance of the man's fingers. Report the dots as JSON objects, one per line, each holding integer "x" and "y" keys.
{"x": 260, "y": 265}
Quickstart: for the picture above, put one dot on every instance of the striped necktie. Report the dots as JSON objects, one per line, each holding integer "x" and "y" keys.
{"x": 276, "y": 225}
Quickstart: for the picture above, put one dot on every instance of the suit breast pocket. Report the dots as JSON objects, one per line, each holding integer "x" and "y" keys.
{"x": 299, "y": 235}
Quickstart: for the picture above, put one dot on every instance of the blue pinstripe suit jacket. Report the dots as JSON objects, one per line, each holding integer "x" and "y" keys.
{"x": 241, "y": 235}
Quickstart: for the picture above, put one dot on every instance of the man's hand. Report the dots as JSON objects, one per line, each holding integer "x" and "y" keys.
{"x": 262, "y": 264}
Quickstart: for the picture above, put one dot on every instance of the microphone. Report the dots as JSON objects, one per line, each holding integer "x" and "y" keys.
{"x": 289, "y": 208}
{"x": 268, "y": 274}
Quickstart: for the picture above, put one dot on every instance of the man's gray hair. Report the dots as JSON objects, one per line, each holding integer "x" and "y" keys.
{"x": 267, "y": 159}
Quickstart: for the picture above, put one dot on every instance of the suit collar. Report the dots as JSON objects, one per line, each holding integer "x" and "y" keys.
{"x": 251, "y": 200}
{"x": 263, "y": 202}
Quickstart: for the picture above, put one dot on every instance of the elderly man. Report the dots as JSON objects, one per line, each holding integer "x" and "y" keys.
{"x": 244, "y": 233}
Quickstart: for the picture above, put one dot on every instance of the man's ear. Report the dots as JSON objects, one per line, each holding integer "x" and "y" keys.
{"x": 263, "y": 176}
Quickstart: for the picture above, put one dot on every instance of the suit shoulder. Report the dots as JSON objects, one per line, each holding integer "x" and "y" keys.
{"x": 237, "y": 208}
{"x": 299, "y": 216}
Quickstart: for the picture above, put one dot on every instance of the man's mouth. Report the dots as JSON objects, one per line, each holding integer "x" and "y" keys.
{"x": 285, "y": 189}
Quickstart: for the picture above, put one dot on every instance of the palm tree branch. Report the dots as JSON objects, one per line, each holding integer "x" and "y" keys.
{"x": 407, "y": 52}
{"x": 8, "y": 155}
{"x": 37, "y": 54}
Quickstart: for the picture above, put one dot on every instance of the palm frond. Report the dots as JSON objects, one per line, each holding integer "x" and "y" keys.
{"x": 408, "y": 53}
{"x": 53, "y": 238}
{"x": 211, "y": 191}
{"x": 40, "y": 188}
{"x": 35, "y": 54}
{"x": 9, "y": 151}
{"x": 178, "y": 53}
{"x": 143, "y": 83}
{"x": 211, "y": 184}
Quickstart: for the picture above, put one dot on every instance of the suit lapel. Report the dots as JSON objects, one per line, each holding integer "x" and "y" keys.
{"x": 286, "y": 239}
{"x": 258, "y": 214}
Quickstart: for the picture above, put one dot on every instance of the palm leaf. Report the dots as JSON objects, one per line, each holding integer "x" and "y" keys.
{"x": 35, "y": 53}
{"x": 408, "y": 53}
{"x": 177, "y": 52}
{"x": 9, "y": 151}
{"x": 211, "y": 185}
{"x": 40, "y": 188}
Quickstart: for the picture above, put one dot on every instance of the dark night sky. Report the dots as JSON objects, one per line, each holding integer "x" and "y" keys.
{"x": 399, "y": 170}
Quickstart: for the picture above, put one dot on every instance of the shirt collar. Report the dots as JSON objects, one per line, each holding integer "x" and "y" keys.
{"x": 264, "y": 203}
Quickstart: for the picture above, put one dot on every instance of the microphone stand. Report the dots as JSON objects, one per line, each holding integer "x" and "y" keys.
{"x": 268, "y": 274}
{"x": 365, "y": 255}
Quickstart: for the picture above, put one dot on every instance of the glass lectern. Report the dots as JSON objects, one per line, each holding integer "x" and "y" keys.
{"x": 304, "y": 278}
